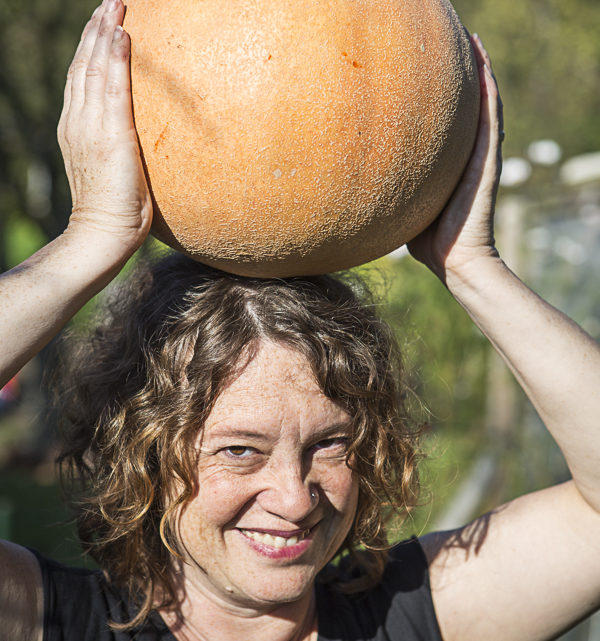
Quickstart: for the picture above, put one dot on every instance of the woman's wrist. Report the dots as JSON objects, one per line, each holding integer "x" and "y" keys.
{"x": 476, "y": 277}
{"x": 80, "y": 263}
{"x": 100, "y": 247}
{"x": 41, "y": 294}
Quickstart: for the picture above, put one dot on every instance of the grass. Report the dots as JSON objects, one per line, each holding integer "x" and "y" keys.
{"x": 32, "y": 514}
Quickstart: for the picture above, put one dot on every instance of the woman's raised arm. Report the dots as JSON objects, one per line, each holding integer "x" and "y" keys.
{"x": 112, "y": 208}
{"x": 112, "y": 212}
{"x": 532, "y": 567}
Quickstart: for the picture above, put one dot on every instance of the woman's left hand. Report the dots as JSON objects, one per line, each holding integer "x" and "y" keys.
{"x": 463, "y": 232}
{"x": 483, "y": 576}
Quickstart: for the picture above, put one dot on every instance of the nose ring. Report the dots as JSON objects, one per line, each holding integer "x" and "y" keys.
{"x": 313, "y": 495}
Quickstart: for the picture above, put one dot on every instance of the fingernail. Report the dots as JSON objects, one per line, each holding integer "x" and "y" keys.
{"x": 112, "y": 5}
{"x": 118, "y": 33}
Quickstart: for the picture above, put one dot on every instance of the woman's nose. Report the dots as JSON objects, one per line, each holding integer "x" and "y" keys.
{"x": 289, "y": 495}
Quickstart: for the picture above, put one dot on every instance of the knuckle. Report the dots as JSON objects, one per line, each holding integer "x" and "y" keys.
{"x": 105, "y": 29}
{"x": 76, "y": 67}
{"x": 65, "y": 132}
{"x": 94, "y": 70}
{"x": 113, "y": 90}
{"x": 120, "y": 51}
{"x": 86, "y": 31}
{"x": 62, "y": 145}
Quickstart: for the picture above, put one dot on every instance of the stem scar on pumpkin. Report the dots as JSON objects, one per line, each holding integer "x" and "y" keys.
{"x": 354, "y": 63}
{"x": 161, "y": 137}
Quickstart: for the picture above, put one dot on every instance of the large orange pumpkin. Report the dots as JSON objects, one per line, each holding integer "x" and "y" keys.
{"x": 287, "y": 137}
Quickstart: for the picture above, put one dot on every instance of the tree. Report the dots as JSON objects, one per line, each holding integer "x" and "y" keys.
{"x": 546, "y": 56}
{"x": 37, "y": 40}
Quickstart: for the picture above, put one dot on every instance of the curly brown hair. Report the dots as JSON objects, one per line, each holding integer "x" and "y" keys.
{"x": 142, "y": 385}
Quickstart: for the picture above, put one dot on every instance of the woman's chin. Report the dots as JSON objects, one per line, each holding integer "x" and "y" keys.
{"x": 272, "y": 591}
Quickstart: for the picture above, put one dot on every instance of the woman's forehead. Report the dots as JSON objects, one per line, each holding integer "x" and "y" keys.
{"x": 276, "y": 386}
{"x": 271, "y": 367}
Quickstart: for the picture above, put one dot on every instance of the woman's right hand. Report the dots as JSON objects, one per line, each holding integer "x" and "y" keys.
{"x": 112, "y": 206}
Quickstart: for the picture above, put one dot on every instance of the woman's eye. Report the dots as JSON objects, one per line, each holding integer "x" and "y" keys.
{"x": 338, "y": 444}
{"x": 239, "y": 451}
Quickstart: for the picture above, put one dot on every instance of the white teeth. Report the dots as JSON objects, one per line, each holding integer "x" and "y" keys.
{"x": 274, "y": 541}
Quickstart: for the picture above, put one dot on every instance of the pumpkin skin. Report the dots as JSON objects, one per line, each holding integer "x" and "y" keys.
{"x": 299, "y": 136}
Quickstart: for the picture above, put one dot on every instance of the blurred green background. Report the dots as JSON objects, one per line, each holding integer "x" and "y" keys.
{"x": 485, "y": 444}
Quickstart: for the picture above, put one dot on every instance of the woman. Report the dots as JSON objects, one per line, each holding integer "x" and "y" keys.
{"x": 285, "y": 458}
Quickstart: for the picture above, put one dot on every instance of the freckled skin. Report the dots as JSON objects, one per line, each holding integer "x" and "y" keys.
{"x": 292, "y": 475}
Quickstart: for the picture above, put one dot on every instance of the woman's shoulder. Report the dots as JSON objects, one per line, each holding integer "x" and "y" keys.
{"x": 398, "y": 607}
{"x": 79, "y": 604}
{"x": 21, "y": 595}
{"x": 407, "y": 568}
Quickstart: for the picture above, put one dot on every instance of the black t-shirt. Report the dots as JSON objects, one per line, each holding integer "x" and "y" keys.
{"x": 79, "y": 603}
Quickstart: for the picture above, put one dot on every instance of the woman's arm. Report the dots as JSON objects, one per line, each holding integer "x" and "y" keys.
{"x": 112, "y": 212}
{"x": 532, "y": 567}
{"x": 112, "y": 208}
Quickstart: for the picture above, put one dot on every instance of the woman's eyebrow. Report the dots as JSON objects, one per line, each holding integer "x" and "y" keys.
{"x": 245, "y": 433}
{"x": 333, "y": 429}
{"x": 228, "y": 432}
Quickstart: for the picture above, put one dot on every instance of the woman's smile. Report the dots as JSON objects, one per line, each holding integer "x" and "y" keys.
{"x": 277, "y": 544}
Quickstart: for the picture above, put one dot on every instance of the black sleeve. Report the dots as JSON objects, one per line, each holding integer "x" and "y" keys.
{"x": 399, "y": 608}
{"x": 79, "y": 604}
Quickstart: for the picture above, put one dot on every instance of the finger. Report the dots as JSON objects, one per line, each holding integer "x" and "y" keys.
{"x": 483, "y": 169}
{"x": 67, "y": 92}
{"x": 481, "y": 50}
{"x": 97, "y": 68}
{"x": 118, "y": 115}
{"x": 76, "y": 67}
{"x": 495, "y": 108}
{"x": 492, "y": 112}
{"x": 76, "y": 75}
{"x": 491, "y": 105}
{"x": 483, "y": 62}
{"x": 486, "y": 163}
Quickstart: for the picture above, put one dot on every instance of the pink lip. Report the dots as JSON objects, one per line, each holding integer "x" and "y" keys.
{"x": 284, "y": 533}
{"x": 291, "y": 552}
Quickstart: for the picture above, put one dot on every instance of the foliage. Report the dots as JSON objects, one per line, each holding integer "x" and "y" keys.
{"x": 25, "y": 238}
{"x": 35, "y": 516}
{"x": 37, "y": 40}
{"x": 442, "y": 348}
{"x": 546, "y": 56}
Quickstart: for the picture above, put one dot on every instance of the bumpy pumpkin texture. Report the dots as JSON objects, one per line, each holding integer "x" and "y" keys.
{"x": 299, "y": 136}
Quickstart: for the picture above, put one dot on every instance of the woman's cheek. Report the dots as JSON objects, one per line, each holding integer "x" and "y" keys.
{"x": 222, "y": 494}
{"x": 339, "y": 483}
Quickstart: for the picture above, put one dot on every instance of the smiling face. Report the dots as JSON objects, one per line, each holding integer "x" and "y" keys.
{"x": 276, "y": 498}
